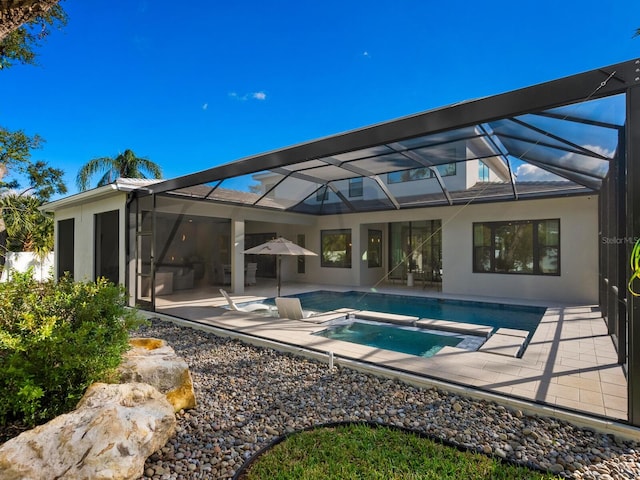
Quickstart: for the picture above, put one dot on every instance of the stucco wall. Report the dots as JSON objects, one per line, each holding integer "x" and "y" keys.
{"x": 23, "y": 261}
{"x": 84, "y": 231}
{"x": 578, "y": 282}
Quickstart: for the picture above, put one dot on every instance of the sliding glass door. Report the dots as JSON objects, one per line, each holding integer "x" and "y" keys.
{"x": 416, "y": 247}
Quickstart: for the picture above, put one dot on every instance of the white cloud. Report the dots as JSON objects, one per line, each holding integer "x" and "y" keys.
{"x": 530, "y": 173}
{"x": 249, "y": 96}
{"x": 594, "y": 148}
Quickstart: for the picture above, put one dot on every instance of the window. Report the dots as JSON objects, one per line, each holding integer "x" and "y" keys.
{"x": 322, "y": 194}
{"x": 527, "y": 247}
{"x": 446, "y": 170}
{"x": 355, "y": 187}
{"x": 374, "y": 249}
{"x": 483, "y": 171}
{"x": 336, "y": 248}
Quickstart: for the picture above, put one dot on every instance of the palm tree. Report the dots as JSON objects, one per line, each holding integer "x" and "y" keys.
{"x": 28, "y": 229}
{"x": 125, "y": 165}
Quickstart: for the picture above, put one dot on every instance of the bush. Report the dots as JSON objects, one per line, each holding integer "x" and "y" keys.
{"x": 57, "y": 338}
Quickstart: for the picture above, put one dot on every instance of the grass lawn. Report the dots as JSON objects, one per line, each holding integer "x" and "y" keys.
{"x": 364, "y": 452}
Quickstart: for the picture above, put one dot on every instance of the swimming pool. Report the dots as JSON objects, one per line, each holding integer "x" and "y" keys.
{"x": 389, "y": 337}
{"x": 495, "y": 315}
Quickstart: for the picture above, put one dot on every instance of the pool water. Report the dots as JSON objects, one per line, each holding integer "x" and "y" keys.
{"x": 389, "y": 337}
{"x": 479, "y": 313}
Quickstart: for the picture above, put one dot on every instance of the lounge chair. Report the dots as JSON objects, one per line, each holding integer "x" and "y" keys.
{"x": 252, "y": 307}
{"x": 291, "y": 308}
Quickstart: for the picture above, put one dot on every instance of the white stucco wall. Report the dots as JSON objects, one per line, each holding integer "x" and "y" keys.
{"x": 84, "y": 232}
{"x": 23, "y": 261}
{"x": 577, "y": 284}
{"x": 578, "y": 281}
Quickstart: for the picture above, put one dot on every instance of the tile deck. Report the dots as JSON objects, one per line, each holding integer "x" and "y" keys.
{"x": 570, "y": 363}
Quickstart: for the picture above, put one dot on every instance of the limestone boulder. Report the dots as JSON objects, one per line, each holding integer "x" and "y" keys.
{"x": 114, "y": 429}
{"x": 153, "y": 361}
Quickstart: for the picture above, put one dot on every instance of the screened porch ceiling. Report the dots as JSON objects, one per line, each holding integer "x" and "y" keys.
{"x": 556, "y": 151}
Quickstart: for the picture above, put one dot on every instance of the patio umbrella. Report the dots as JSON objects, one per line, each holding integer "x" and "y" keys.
{"x": 279, "y": 247}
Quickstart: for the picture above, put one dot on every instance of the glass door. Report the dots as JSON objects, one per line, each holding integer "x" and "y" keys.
{"x": 416, "y": 249}
{"x": 142, "y": 210}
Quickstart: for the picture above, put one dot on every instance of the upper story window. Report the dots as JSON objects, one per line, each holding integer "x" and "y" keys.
{"x": 523, "y": 246}
{"x": 322, "y": 194}
{"x": 355, "y": 187}
{"x": 446, "y": 170}
{"x": 483, "y": 171}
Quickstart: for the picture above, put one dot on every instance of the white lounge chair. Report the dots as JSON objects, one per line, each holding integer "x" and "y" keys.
{"x": 291, "y": 308}
{"x": 252, "y": 307}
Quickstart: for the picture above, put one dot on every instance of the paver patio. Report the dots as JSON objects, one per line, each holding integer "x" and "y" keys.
{"x": 570, "y": 365}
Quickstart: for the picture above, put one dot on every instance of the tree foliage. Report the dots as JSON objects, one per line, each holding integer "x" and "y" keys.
{"x": 16, "y": 165}
{"x": 28, "y": 229}
{"x": 23, "y": 226}
{"x": 123, "y": 165}
{"x": 15, "y": 152}
{"x": 20, "y": 44}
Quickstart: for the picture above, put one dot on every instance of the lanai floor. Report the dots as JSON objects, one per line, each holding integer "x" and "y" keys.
{"x": 569, "y": 368}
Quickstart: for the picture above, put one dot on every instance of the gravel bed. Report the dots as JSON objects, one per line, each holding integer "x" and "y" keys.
{"x": 247, "y": 396}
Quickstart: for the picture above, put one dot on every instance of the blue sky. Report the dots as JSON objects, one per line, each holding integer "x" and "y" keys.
{"x": 195, "y": 85}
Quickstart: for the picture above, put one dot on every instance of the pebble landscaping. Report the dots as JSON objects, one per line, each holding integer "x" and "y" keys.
{"x": 247, "y": 396}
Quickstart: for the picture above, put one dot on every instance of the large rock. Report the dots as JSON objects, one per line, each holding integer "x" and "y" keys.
{"x": 109, "y": 436}
{"x": 152, "y": 361}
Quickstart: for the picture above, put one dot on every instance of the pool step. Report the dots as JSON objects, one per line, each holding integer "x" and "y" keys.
{"x": 506, "y": 341}
{"x": 455, "y": 327}
{"x": 387, "y": 317}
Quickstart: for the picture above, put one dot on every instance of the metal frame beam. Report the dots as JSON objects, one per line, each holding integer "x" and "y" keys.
{"x": 593, "y": 84}
{"x": 632, "y": 191}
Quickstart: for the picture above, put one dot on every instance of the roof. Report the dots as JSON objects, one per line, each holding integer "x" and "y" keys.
{"x": 553, "y": 139}
{"x": 119, "y": 186}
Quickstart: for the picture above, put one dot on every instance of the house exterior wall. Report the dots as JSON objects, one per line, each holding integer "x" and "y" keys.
{"x": 577, "y": 283}
{"x": 84, "y": 232}
{"x": 578, "y": 279}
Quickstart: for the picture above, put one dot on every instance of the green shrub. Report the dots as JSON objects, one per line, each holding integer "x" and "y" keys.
{"x": 56, "y": 338}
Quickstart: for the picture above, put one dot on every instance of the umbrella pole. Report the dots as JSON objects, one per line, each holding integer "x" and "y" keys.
{"x": 279, "y": 267}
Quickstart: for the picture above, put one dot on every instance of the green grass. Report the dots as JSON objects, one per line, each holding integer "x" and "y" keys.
{"x": 364, "y": 452}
